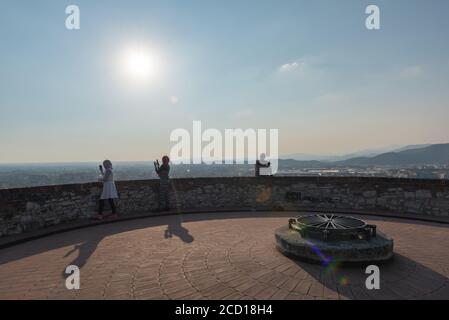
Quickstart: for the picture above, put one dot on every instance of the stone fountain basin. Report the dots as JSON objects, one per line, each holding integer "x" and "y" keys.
{"x": 291, "y": 243}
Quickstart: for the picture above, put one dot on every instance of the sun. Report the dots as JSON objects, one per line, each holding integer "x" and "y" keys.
{"x": 139, "y": 64}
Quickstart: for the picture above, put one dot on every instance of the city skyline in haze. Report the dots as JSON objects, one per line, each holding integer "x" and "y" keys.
{"x": 136, "y": 70}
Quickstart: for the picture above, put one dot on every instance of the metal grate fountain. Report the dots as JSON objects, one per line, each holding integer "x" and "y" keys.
{"x": 327, "y": 236}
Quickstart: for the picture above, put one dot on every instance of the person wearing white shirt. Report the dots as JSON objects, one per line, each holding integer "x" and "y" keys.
{"x": 109, "y": 190}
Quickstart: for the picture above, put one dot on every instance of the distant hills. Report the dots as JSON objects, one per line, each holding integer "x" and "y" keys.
{"x": 362, "y": 153}
{"x": 404, "y": 156}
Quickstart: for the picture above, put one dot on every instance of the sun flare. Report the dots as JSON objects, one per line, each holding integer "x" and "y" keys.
{"x": 139, "y": 64}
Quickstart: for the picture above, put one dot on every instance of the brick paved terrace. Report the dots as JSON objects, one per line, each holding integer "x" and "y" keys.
{"x": 216, "y": 256}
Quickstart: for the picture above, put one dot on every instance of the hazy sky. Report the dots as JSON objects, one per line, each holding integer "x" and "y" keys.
{"x": 309, "y": 68}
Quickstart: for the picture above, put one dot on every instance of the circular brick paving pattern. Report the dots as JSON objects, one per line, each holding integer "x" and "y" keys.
{"x": 216, "y": 256}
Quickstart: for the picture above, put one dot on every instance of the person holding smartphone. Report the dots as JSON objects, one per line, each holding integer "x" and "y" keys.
{"x": 109, "y": 190}
{"x": 163, "y": 172}
{"x": 262, "y": 166}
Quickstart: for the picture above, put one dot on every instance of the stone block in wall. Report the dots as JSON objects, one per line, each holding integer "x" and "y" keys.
{"x": 342, "y": 206}
{"x": 66, "y": 203}
{"x": 335, "y": 199}
{"x": 412, "y": 207}
{"x": 441, "y": 194}
{"x": 409, "y": 195}
{"x": 293, "y": 196}
{"x": 32, "y": 206}
{"x": 370, "y": 194}
{"x": 442, "y": 204}
{"x": 423, "y": 194}
{"x": 394, "y": 190}
{"x": 208, "y": 189}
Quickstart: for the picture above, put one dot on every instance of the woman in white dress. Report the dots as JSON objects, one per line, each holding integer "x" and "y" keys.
{"x": 109, "y": 190}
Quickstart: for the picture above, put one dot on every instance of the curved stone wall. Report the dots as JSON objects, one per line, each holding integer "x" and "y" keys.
{"x": 38, "y": 207}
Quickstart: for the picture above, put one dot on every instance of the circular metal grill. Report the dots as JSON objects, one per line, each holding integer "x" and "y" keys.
{"x": 332, "y": 227}
{"x": 330, "y": 221}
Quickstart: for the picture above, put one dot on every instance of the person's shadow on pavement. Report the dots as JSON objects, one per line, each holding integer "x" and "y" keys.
{"x": 175, "y": 227}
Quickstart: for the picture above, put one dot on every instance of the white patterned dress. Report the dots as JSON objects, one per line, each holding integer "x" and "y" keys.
{"x": 109, "y": 189}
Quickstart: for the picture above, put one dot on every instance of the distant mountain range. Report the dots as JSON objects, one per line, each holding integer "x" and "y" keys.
{"x": 404, "y": 156}
{"x": 362, "y": 153}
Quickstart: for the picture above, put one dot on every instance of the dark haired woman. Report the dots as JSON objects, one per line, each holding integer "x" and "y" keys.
{"x": 163, "y": 172}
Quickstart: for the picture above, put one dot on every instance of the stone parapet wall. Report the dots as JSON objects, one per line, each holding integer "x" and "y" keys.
{"x": 27, "y": 209}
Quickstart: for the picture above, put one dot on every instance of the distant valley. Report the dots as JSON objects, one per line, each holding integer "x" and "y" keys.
{"x": 418, "y": 161}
